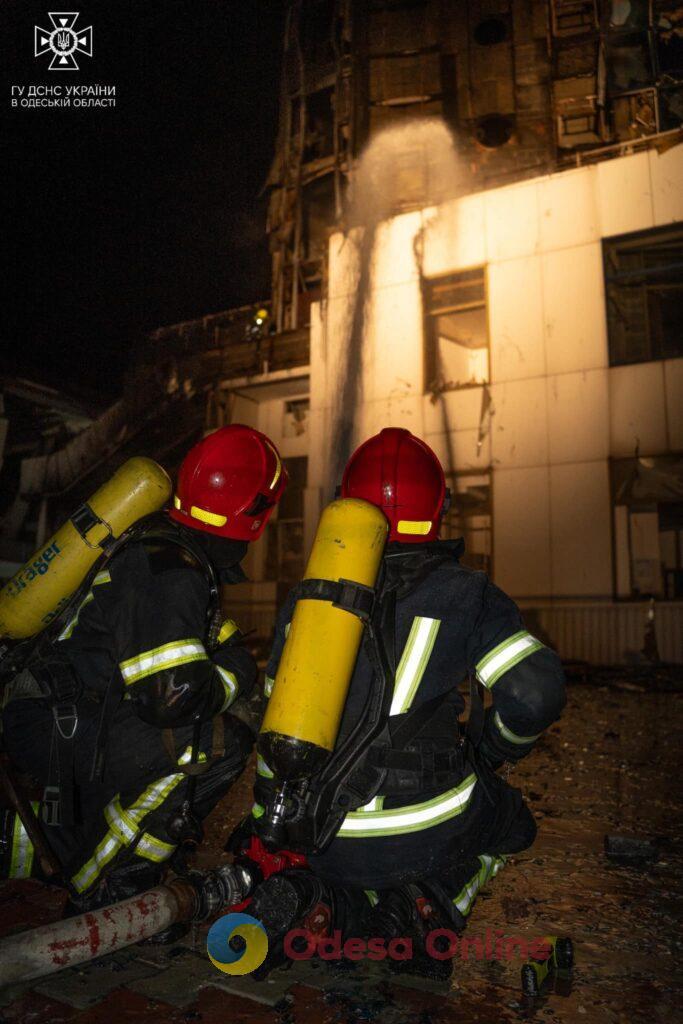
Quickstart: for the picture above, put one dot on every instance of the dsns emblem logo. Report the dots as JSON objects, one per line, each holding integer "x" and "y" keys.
{"x": 237, "y": 944}
{"x": 63, "y": 40}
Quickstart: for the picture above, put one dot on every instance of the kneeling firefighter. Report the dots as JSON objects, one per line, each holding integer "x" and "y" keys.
{"x": 405, "y": 819}
{"x": 120, "y": 713}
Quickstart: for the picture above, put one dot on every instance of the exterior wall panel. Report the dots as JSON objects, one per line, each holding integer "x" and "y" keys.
{"x": 624, "y": 195}
{"x": 568, "y": 210}
{"x": 637, "y": 409}
{"x": 666, "y": 175}
{"x": 516, "y": 327}
{"x": 578, "y": 416}
{"x": 580, "y": 530}
{"x": 519, "y": 429}
{"x": 574, "y": 309}
{"x": 521, "y": 539}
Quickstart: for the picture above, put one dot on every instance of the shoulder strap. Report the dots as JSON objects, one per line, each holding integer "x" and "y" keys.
{"x": 412, "y": 722}
{"x": 347, "y": 594}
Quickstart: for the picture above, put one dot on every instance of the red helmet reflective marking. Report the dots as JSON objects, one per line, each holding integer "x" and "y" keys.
{"x": 400, "y": 474}
{"x": 229, "y": 483}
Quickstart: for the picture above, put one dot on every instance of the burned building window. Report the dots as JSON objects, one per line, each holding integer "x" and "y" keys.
{"x": 285, "y": 532}
{"x": 469, "y": 517}
{"x": 491, "y": 31}
{"x": 319, "y": 140}
{"x": 647, "y": 496}
{"x": 573, "y": 17}
{"x": 644, "y": 295}
{"x": 295, "y": 417}
{"x": 457, "y": 344}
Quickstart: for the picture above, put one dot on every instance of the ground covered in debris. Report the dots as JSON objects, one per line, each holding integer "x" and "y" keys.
{"x": 611, "y": 766}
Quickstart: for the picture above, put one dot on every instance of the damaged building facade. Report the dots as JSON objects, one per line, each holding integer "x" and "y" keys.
{"x": 476, "y": 226}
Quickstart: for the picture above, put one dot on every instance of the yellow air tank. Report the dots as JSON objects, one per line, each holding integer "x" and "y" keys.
{"x": 305, "y": 707}
{"x": 32, "y": 598}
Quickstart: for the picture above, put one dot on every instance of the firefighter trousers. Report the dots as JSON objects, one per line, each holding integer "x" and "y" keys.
{"x": 122, "y": 815}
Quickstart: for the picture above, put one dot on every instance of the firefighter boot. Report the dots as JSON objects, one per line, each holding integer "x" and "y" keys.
{"x": 411, "y": 913}
{"x": 288, "y": 900}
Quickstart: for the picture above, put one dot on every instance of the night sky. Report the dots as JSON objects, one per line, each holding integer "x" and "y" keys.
{"x": 121, "y": 220}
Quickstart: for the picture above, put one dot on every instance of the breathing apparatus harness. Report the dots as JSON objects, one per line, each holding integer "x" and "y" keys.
{"x": 381, "y": 752}
{"x": 58, "y": 683}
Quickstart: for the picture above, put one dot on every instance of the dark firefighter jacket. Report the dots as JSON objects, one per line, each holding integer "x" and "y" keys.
{"x": 142, "y": 628}
{"x": 450, "y": 621}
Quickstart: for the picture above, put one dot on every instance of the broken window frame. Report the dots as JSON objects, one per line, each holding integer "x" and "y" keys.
{"x": 618, "y": 279}
{"x": 625, "y": 507}
{"x": 474, "y": 560}
{"x": 433, "y": 374}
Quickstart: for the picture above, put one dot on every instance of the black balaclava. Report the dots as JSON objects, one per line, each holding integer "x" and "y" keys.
{"x": 225, "y": 554}
{"x": 406, "y": 565}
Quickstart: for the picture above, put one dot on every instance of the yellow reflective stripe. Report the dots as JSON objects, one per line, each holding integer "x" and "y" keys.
{"x": 178, "y": 652}
{"x": 102, "y": 577}
{"x": 258, "y": 810}
{"x": 376, "y": 804}
{"x": 152, "y": 848}
{"x": 420, "y": 528}
{"x": 21, "y": 857}
{"x": 120, "y": 823}
{"x": 154, "y": 796}
{"x": 508, "y": 734}
{"x": 268, "y": 686}
{"x": 204, "y": 516}
{"x": 411, "y": 667}
{"x": 228, "y": 629}
{"x": 411, "y": 818}
{"x": 278, "y": 468}
{"x": 93, "y": 868}
{"x": 505, "y": 656}
{"x": 71, "y": 625}
{"x": 373, "y": 898}
{"x": 262, "y": 768}
{"x": 186, "y": 756}
{"x": 176, "y": 501}
{"x": 490, "y": 866}
{"x": 229, "y": 681}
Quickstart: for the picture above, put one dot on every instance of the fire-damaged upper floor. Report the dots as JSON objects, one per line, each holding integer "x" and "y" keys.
{"x": 525, "y": 87}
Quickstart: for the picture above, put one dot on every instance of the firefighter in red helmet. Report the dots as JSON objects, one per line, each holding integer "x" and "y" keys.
{"x": 152, "y": 681}
{"x": 429, "y": 821}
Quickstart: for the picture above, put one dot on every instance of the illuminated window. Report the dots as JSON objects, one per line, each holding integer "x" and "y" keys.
{"x": 457, "y": 340}
{"x": 469, "y": 517}
{"x": 644, "y": 294}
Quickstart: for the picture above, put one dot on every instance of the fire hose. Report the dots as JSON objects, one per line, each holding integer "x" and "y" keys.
{"x": 75, "y": 940}
{"x": 195, "y": 897}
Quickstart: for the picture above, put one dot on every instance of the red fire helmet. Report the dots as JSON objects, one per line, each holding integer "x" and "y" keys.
{"x": 401, "y": 475}
{"x": 229, "y": 483}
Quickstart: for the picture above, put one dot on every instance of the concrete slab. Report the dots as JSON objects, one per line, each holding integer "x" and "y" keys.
{"x": 89, "y": 984}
